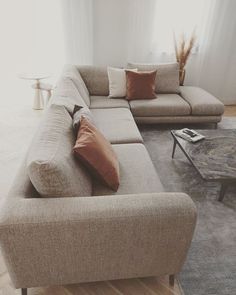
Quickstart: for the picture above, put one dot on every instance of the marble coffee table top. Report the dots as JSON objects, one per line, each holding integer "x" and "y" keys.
{"x": 215, "y": 156}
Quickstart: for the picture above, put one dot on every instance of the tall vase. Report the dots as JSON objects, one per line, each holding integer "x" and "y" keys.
{"x": 181, "y": 77}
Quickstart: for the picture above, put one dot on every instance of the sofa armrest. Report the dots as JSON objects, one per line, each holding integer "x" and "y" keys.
{"x": 48, "y": 241}
{"x": 202, "y": 102}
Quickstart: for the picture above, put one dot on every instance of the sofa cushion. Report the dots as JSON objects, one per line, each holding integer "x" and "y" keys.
{"x": 137, "y": 173}
{"x": 96, "y": 152}
{"x": 52, "y": 168}
{"x": 104, "y": 102}
{"x": 95, "y": 79}
{"x": 167, "y": 79}
{"x": 67, "y": 94}
{"x": 117, "y": 125}
{"x": 117, "y": 82}
{"x": 163, "y": 105}
{"x": 201, "y": 101}
{"x": 71, "y": 72}
{"x": 140, "y": 85}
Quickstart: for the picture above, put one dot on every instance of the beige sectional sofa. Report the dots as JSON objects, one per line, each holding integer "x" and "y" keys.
{"x": 138, "y": 231}
{"x": 174, "y": 103}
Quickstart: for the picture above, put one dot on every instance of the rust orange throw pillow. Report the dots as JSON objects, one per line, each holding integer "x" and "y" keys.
{"x": 140, "y": 85}
{"x": 97, "y": 154}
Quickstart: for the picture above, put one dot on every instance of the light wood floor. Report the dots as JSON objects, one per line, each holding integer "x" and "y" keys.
{"x": 145, "y": 286}
{"x": 230, "y": 111}
{"x": 26, "y": 121}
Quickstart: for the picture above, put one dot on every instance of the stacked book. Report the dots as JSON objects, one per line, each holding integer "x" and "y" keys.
{"x": 189, "y": 135}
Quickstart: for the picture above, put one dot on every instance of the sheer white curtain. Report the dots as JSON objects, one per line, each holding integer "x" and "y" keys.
{"x": 178, "y": 18}
{"x": 153, "y": 22}
{"x": 212, "y": 64}
{"x": 216, "y": 70}
{"x": 78, "y": 30}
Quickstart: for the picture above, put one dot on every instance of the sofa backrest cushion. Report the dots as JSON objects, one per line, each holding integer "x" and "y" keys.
{"x": 67, "y": 94}
{"x": 95, "y": 79}
{"x": 51, "y": 165}
{"x": 71, "y": 72}
{"x": 167, "y": 78}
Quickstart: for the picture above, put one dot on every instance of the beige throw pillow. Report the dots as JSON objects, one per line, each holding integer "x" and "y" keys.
{"x": 117, "y": 82}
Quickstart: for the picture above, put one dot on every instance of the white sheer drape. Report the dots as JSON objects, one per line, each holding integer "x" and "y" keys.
{"x": 216, "y": 70}
{"x": 42, "y": 35}
{"x": 78, "y": 29}
{"x": 213, "y": 62}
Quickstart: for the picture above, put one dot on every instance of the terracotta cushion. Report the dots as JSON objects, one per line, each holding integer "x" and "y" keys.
{"x": 140, "y": 85}
{"x": 97, "y": 154}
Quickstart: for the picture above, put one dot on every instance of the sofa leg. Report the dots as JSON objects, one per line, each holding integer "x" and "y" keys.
{"x": 24, "y": 291}
{"x": 215, "y": 125}
{"x": 172, "y": 280}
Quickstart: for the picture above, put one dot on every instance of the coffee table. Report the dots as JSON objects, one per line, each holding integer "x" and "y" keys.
{"x": 214, "y": 158}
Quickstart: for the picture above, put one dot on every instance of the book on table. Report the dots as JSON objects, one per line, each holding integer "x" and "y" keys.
{"x": 189, "y": 135}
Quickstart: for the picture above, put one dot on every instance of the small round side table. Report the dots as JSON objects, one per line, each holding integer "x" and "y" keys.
{"x": 38, "y": 103}
{"x": 44, "y": 87}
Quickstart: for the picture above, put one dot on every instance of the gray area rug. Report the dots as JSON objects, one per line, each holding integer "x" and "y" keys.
{"x": 210, "y": 268}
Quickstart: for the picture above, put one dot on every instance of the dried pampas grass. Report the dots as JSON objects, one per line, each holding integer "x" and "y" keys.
{"x": 183, "y": 49}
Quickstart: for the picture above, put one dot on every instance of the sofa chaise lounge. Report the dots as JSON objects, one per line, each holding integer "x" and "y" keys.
{"x": 138, "y": 231}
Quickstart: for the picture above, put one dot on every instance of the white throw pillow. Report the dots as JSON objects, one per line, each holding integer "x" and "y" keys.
{"x": 117, "y": 81}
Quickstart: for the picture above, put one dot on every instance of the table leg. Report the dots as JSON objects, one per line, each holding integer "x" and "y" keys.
{"x": 38, "y": 98}
{"x": 174, "y": 147}
{"x": 222, "y": 192}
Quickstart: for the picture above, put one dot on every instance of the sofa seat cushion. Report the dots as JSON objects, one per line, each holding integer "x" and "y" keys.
{"x": 201, "y": 101}
{"x": 137, "y": 173}
{"x": 103, "y": 102}
{"x": 117, "y": 125}
{"x": 163, "y": 105}
{"x": 51, "y": 165}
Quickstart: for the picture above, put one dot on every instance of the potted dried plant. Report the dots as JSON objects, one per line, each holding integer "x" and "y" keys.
{"x": 183, "y": 49}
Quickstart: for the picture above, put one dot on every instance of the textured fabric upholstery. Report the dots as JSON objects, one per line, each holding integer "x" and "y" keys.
{"x": 77, "y": 115}
{"x": 50, "y": 162}
{"x": 117, "y": 125}
{"x": 71, "y": 72}
{"x": 201, "y": 101}
{"x": 177, "y": 119}
{"x": 167, "y": 78}
{"x": 86, "y": 238}
{"x": 96, "y": 79}
{"x": 137, "y": 173}
{"x": 163, "y": 105}
{"x": 104, "y": 102}
{"x": 67, "y": 94}
{"x": 57, "y": 241}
